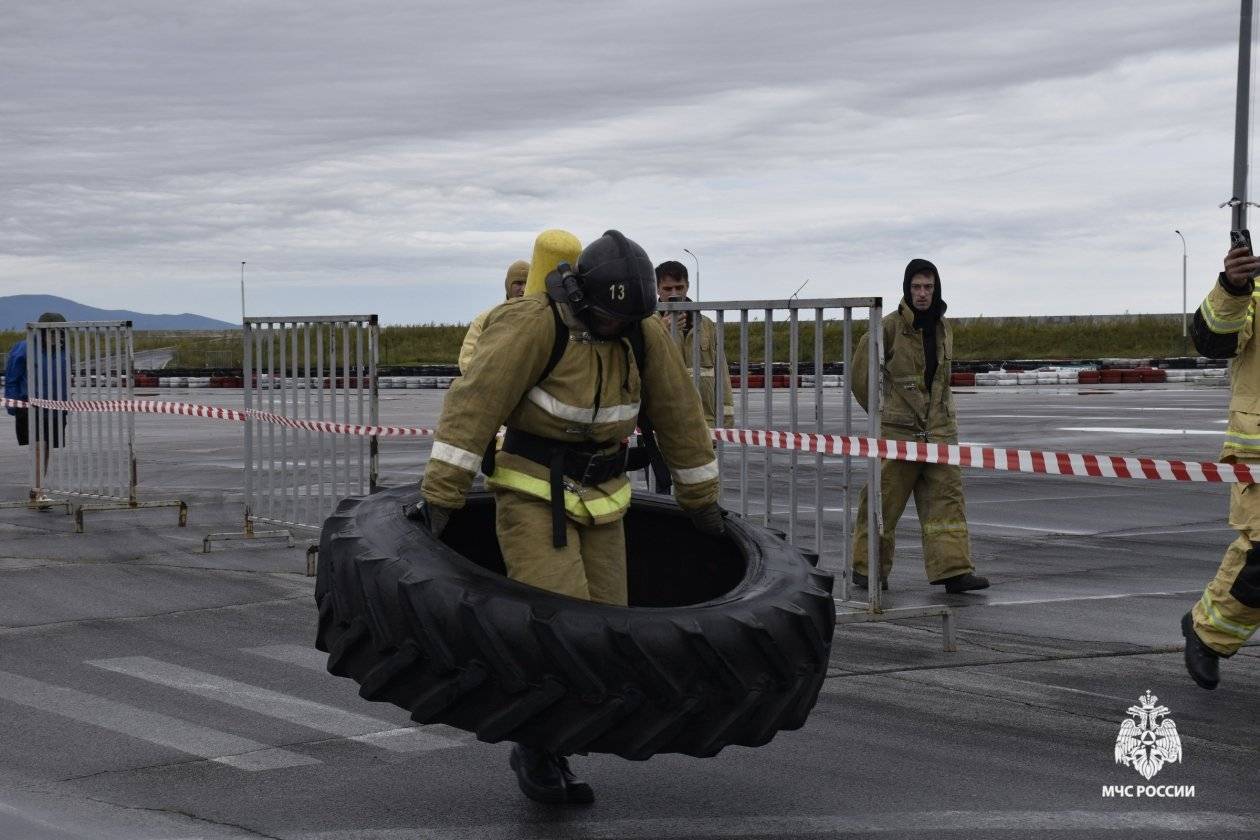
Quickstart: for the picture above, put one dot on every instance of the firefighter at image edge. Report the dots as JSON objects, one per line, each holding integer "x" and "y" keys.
{"x": 570, "y": 369}
{"x": 1228, "y": 612}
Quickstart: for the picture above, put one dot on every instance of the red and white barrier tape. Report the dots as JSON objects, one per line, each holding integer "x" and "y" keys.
{"x": 216, "y": 413}
{"x": 993, "y": 458}
{"x": 982, "y": 457}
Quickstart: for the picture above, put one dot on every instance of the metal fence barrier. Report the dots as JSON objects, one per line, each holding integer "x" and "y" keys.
{"x": 807, "y": 519}
{"x": 320, "y": 368}
{"x": 84, "y": 461}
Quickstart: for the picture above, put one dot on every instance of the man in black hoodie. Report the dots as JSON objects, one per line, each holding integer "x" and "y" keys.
{"x": 916, "y": 404}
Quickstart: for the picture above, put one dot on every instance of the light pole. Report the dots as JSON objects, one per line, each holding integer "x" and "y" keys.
{"x": 697, "y": 259}
{"x": 1184, "y": 331}
{"x": 242, "y": 292}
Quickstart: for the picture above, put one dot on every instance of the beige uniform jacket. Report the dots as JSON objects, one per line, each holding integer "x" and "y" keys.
{"x": 1226, "y": 314}
{"x": 907, "y": 410}
{"x": 593, "y": 395}
{"x": 709, "y": 369}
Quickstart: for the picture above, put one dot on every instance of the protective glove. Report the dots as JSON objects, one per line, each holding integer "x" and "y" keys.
{"x": 434, "y": 517}
{"x": 708, "y": 519}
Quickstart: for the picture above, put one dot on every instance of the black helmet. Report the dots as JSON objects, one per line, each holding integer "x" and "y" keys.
{"x": 614, "y": 278}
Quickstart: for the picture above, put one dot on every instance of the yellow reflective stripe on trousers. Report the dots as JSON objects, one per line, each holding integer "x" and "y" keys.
{"x": 1217, "y": 324}
{"x": 1220, "y": 622}
{"x": 948, "y": 527}
{"x": 573, "y": 503}
{"x": 1241, "y": 440}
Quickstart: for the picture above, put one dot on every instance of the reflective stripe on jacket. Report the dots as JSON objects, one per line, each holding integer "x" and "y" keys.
{"x": 593, "y": 395}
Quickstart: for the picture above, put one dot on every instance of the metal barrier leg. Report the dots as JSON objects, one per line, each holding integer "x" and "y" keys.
{"x": 246, "y": 533}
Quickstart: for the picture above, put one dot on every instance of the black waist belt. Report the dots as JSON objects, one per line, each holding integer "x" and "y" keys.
{"x": 582, "y": 464}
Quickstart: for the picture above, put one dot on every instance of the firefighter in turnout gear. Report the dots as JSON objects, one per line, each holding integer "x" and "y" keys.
{"x": 1228, "y": 612}
{"x": 514, "y": 287}
{"x": 570, "y": 373}
{"x": 916, "y": 404}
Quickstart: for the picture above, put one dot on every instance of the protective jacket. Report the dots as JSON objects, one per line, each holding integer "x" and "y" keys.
{"x": 590, "y": 400}
{"x": 908, "y": 409}
{"x": 1225, "y": 328}
{"x": 709, "y": 373}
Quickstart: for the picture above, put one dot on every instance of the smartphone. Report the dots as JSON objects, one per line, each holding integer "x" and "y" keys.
{"x": 686, "y": 319}
{"x": 1240, "y": 239}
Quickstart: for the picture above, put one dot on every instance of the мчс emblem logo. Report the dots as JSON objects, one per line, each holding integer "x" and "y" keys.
{"x": 1148, "y": 739}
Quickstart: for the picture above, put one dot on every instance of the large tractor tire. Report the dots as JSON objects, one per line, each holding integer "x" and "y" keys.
{"x": 726, "y": 640}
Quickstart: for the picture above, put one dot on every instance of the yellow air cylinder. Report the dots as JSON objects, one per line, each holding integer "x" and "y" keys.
{"x": 551, "y": 248}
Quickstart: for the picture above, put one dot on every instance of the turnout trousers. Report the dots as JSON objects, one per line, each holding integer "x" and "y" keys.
{"x": 1228, "y": 613}
{"x": 591, "y": 567}
{"x": 938, "y": 500}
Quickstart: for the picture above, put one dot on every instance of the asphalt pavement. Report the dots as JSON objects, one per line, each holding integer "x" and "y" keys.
{"x": 148, "y": 690}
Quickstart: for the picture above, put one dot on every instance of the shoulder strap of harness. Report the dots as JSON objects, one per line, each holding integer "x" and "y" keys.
{"x": 656, "y": 461}
{"x": 558, "y": 345}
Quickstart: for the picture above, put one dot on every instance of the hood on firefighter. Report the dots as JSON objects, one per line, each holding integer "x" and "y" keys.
{"x": 921, "y": 266}
{"x": 551, "y": 248}
{"x": 517, "y": 272}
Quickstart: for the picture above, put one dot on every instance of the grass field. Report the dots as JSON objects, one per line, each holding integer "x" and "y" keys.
{"x": 974, "y": 339}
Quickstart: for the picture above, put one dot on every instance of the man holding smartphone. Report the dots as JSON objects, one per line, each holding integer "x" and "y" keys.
{"x": 1228, "y": 612}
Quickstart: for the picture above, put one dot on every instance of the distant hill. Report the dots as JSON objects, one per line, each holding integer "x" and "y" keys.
{"x": 17, "y": 310}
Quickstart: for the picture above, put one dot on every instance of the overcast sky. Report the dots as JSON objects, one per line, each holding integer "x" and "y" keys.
{"x": 396, "y": 157}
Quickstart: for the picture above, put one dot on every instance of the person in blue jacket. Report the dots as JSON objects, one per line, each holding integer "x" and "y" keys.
{"x": 49, "y": 425}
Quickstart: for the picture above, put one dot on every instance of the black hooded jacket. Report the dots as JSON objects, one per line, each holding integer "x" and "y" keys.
{"x": 925, "y": 321}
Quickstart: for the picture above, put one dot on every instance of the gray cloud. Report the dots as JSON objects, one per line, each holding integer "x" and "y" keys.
{"x": 399, "y": 155}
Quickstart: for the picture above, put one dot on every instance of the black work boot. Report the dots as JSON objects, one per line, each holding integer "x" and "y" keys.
{"x": 538, "y": 775}
{"x": 1203, "y": 663}
{"x": 862, "y": 581}
{"x": 962, "y": 583}
{"x": 576, "y": 791}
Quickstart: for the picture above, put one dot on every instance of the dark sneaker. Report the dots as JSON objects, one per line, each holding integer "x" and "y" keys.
{"x": 861, "y": 581}
{"x": 1203, "y": 663}
{"x": 538, "y": 775}
{"x": 576, "y": 791}
{"x": 966, "y": 582}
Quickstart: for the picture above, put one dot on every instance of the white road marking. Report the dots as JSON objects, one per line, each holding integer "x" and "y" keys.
{"x": 1123, "y": 430}
{"x": 296, "y": 710}
{"x": 1021, "y": 501}
{"x": 1122, "y": 409}
{"x": 930, "y": 823}
{"x": 1066, "y": 416}
{"x": 969, "y": 678}
{"x": 983, "y": 601}
{"x": 303, "y": 656}
{"x": 173, "y": 733}
{"x": 314, "y": 660}
{"x": 1069, "y": 598}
